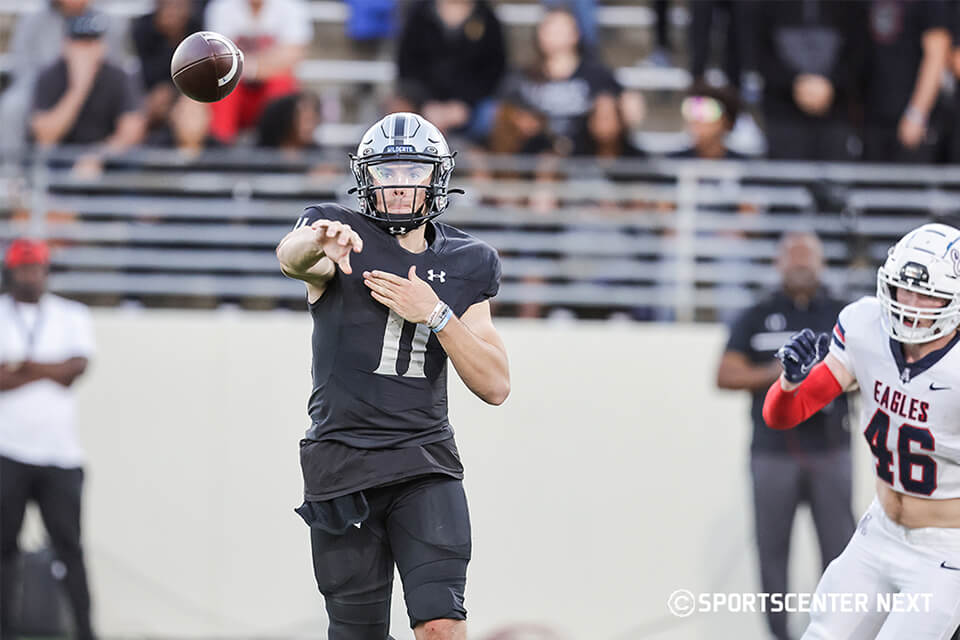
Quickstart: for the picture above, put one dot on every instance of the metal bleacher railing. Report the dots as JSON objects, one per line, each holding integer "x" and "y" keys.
{"x": 651, "y": 239}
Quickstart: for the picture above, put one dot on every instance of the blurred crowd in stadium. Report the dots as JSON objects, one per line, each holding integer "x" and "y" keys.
{"x": 828, "y": 80}
{"x": 528, "y": 81}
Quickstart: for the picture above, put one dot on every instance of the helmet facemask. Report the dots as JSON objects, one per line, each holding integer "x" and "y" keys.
{"x": 914, "y": 324}
{"x": 402, "y": 191}
{"x": 399, "y": 190}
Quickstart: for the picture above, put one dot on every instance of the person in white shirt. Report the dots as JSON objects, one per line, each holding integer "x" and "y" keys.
{"x": 274, "y": 36}
{"x": 45, "y": 344}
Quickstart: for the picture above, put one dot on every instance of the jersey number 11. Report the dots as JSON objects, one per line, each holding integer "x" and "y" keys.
{"x": 390, "y": 353}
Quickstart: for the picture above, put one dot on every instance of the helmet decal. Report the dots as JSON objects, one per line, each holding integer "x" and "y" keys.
{"x": 924, "y": 262}
{"x": 915, "y": 273}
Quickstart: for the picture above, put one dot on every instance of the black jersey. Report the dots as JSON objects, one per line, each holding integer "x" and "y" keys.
{"x": 379, "y": 403}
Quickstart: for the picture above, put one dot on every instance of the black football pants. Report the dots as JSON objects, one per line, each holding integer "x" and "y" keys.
{"x": 421, "y": 526}
{"x": 57, "y": 493}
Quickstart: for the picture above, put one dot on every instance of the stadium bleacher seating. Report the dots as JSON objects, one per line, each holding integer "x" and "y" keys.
{"x": 685, "y": 239}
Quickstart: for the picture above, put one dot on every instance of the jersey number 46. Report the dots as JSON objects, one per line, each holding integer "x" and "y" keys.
{"x": 909, "y": 461}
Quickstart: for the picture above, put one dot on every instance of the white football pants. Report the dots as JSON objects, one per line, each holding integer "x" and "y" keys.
{"x": 884, "y": 558}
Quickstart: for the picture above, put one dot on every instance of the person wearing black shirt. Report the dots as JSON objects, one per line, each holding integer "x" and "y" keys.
{"x": 738, "y": 57}
{"x": 811, "y": 463}
{"x": 909, "y": 46}
{"x": 83, "y": 98}
{"x": 811, "y": 54}
{"x": 559, "y": 91}
{"x": 155, "y": 37}
{"x": 452, "y": 58}
{"x": 393, "y": 294}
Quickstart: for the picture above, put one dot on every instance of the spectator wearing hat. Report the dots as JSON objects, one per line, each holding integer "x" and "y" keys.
{"x": 45, "y": 345}
{"x": 709, "y": 114}
{"x": 83, "y": 98}
{"x": 36, "y": 43}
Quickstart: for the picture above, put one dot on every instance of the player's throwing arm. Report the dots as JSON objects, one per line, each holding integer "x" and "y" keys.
{"x": 312, "y": 252}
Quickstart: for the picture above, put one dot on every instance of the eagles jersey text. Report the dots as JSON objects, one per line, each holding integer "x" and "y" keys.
{"x": 910, "y": 411}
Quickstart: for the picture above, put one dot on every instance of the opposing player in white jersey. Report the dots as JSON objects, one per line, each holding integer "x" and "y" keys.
{"x": 899, "y": 349}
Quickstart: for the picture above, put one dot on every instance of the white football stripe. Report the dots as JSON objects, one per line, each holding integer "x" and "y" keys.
{"x": 210, "y": 35}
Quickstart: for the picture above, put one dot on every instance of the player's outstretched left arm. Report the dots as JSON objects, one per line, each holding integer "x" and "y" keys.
{"x": 471, "y": 341}
{"x": 811, "y": 379}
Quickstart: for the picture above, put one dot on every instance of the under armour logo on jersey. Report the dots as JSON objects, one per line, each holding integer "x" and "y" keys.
{"x": 442, "y": 276}
{"x": 398, "y": 231}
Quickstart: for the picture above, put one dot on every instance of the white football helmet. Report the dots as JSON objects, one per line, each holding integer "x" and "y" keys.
{"x": 407, "y": 138}
{"x": 926, "y": 261}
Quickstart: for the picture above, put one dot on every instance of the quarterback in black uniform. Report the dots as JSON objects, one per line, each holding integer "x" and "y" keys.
{"x": 393, "y": 294}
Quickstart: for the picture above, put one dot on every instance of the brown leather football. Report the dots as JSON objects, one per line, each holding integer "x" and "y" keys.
{"x": 206, "y": 66}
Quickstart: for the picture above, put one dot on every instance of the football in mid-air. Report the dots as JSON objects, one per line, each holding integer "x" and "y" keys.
{"x": 206, "y": 66}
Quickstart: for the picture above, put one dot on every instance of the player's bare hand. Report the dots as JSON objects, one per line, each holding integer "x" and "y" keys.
{"x": 412, "y": 298}
{"x": 337, "y": 240}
